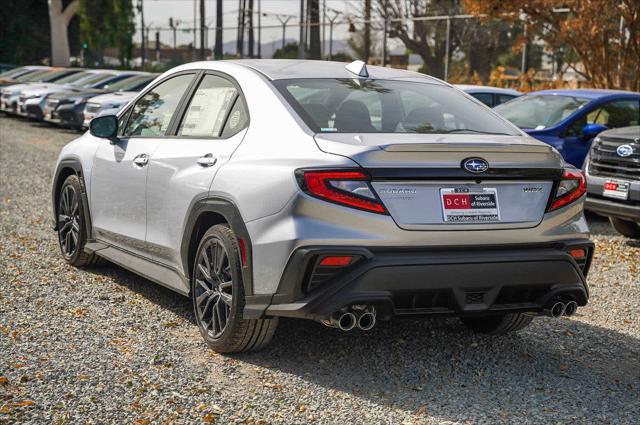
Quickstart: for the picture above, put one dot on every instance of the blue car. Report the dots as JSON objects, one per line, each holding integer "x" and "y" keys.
{"x": 570, "y": 119}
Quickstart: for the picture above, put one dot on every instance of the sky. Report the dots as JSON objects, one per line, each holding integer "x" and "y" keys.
{"x": 158, "y": 12}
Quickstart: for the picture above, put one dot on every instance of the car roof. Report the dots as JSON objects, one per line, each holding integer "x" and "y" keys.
{"x": 587, "y": 93}
{"x": 278, "y": 69}
{"x": 470, "y": 88}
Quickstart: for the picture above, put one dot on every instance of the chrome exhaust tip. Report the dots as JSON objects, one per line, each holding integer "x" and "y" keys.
{"x": 366, "y": 321}
{"x": 570, "y": 308}
{"x": 557, "y": 309}
{"x": 347, "y": 321}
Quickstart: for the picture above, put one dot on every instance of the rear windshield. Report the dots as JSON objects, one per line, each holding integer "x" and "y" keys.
{"x": 388, "y": 106}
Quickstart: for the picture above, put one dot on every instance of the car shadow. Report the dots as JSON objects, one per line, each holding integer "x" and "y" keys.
{"x": 554, "y": 367}
{"x": 439, "y": 364}
{"x": 555, "y": 364}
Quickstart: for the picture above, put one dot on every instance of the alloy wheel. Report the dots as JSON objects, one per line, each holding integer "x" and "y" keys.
{"x": 213, "y": 288}
{"x": 69, "y": 220}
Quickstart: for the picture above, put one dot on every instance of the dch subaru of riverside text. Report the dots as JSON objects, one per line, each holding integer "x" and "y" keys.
{"x": 347, "y": 195}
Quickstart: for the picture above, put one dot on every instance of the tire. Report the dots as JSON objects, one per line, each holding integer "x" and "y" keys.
{"x": 72, "y": 229}
{"x": 218, "y": 296}
{"x": 498, "y": 325}
{"x": 626, "y": 227}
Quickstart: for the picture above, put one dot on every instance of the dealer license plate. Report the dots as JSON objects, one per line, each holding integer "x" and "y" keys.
{"x": 461, "y": 205}
{"x": 616, "y": 189}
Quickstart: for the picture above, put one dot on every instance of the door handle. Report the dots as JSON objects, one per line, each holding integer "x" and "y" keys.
{"x": 207, "y": 160}
{"x": 141, "y": 160}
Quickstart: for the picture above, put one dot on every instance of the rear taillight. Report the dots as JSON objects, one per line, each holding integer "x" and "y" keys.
{"x": 571, "y": 187}
{"x": 348, "y": 188}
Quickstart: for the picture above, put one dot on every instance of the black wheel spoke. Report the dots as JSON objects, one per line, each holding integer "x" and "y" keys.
{"x": 205, "y": 273}
{"x": 69, "y": 223}
{"x": 213, "y": 288}
{"x": 226, "y": 298}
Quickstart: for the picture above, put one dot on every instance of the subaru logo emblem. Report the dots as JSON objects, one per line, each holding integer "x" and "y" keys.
{"x": 624, "y": 150}
{"x": 475, "y": 165}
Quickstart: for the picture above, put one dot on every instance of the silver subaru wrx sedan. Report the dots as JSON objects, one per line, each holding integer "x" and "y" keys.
{"x": 343, "y": 194}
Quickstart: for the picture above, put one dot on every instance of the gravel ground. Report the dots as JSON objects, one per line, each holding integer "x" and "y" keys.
{"x": 103, "y": 345}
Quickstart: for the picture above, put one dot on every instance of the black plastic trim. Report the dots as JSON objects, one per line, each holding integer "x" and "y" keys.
{"x": 368, "y": 281}
{"x": 462, "y": 174}
{"x": 76, "y": 166}
{"x": 232, "y": 216}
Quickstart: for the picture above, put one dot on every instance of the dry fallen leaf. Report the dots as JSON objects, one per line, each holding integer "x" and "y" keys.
{"x": 4, "y": 380}
{"x": 209, "y": 418}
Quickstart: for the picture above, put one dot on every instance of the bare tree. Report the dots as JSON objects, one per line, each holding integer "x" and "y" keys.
{"x": 59, "y": 18}
{"x": 424, "y": 38}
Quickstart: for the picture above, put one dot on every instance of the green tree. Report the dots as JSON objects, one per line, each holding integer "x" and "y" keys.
{"x": 107, "y": 23}
{"x": 290, "y": 51}
{"x": 20, "y": 44}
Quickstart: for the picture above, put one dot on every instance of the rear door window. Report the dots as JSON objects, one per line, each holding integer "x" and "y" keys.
{"x": 208, "y": 108}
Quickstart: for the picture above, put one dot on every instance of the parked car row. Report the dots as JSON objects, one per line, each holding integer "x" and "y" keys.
{"x": 597, "y": 131}
{"x": 62, "y": 95}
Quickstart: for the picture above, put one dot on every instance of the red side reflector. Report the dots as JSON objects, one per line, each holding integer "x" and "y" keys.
{"x": 336, "y": 261}
{"x": 243, "y": 252}
{"x": 577, "y": 253}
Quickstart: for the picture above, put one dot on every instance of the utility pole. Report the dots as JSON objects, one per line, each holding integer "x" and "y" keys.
{"x": 173, "y": 28}
{"x": 446, "y": 49}
{"x": 158, "y": 46}
{"x": 386, "y": 29}
{"x": 195, "y": 25}
{"x": 284, "y": 26}
{"x": 367, "y": 30}
{"x": 331, "y": 22}
{"x": 241, "y": 23}
{"x": 301, "y": 42}
{"x": 250, "y": 22}
{"x": 143, "y": 47}
{"x": 324, "y": 22}
{"x": 259, "y": 31}
{"x": 218, "y": 53}
{"x": 203, "y": 54}
{"x": 523, "y": 66}
{"x": 315, "y": 51}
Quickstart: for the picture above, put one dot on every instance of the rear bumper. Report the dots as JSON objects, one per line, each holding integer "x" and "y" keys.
{"x": 402, "y": 281}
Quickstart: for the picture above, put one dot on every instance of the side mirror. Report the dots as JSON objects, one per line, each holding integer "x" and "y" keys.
{"x": 590, "y": 131}
{"x": 105, "y": 127}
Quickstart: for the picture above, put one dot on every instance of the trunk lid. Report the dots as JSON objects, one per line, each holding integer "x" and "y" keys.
{"x": 420, "y": 179}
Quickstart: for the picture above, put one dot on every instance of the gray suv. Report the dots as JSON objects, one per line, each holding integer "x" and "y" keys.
{"x": 343, "y": 194}
{"x": 612, "y": 169}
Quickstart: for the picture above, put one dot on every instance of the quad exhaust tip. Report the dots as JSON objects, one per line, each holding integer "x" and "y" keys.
{"x": 362, "y": 317}
{"x": 347, "y": 321}
{"x": 570, "y": 308}
{"x": 366, "y": 321}
{"x": 560, "y": 308}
